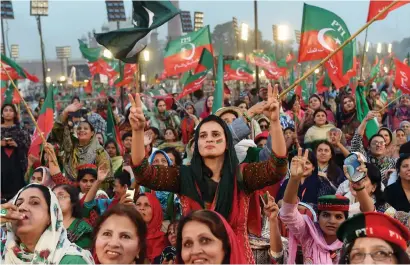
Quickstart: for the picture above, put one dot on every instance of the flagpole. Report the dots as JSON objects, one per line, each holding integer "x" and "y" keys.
{"x": 338, "y": 49}
{"x": 25, "y": 105}
{"x": 363, "y": 54}
{"x": 394, "y": 100}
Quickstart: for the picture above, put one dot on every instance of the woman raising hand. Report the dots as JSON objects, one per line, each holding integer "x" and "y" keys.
{"x": 215, "y": 180}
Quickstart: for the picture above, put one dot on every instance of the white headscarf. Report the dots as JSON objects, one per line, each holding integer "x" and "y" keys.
{"x": 53, "y": 244}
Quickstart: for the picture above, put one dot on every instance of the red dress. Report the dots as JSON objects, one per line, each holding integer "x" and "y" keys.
{"x": 255, "y": 177}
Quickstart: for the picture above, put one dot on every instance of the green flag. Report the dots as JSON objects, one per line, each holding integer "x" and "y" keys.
{"x": 219, "y": 89}
{"x": 125, "y": 44}
{"x": 291, "y": 81}
{"x": 113, "y": 130}
{"x": 8, "y": 94}
{"x": 91, "y": 54}
{"x": 314, "y": 88}
{"x": 14, "y": 70}
{"x": 362, "y": 109}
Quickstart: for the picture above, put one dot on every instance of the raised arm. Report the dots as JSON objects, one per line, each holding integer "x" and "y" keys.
{"x": 362, "y": 127}
{"x": 54, "y": 168}
{"x": 153, "y": 177}
{"x": 271, "y": 211}
{"x": 103, "y": 172}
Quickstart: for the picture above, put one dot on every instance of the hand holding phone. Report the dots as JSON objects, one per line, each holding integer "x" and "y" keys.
{"x": 352, "y": 163}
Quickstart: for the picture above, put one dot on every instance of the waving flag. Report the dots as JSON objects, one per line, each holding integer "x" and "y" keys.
{"x": 126, "y": 75}
{"x": 376, "y": 6}
{"x": 9, "y": 95}
{"x": 206, "y": 62}
{"x": 183, "y": 54}
{"x": 402, "y": 78}
{"x": 193, "y": 83}
{"x": 45, "y": 122}
{"x": 126, "y": 44}
{"x": 14, "y": 70}
{"x": 266, "y": 61}
{"x": 238, "y": 70}
{"x": 113, "y": 131}
{"x": 322, "y": 33}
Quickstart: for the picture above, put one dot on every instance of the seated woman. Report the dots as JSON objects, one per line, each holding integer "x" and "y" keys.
{"x": 215, "y": 179}
{"x": 367, "y": 194}
{"x": 172, "y": 140}
{"x": 84, "y": 149}
{"x": 150, "y": 209}
{"x": 348, "y": 121}
{"x": 36, "y": 233}
{"x": 210, "y": 227}
{"x": 376, "y": 151}
{"x": 398, "y": 193}
{"x": 311, "y": 185}
{"x": 169, "y": 253}
{"x": 41, "y": 175}
{"x": 388, "y": 139}
{"x": 120, "y": 244}
{"x": 78, "y": 231}
{"x": 189, "y": 122}
{"x": 319, "y": 130}
{"x": 399, "y": 138}
{"x": 327, "y": 165}
{"x": 372, "y": 238}
{"x": 173, "y": 155}
{"x": 115, "y": 156}
{"x": 318, "y": 240}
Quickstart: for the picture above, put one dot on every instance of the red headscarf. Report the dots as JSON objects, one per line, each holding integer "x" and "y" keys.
{"x": 155, "y": 237}
{"x": 237, "y": 252}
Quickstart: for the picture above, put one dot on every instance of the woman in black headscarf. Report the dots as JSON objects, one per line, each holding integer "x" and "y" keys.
{"x": 214, "y": 180}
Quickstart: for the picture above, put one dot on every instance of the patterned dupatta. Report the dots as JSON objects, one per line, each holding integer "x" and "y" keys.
{"x": 52, "y": 246}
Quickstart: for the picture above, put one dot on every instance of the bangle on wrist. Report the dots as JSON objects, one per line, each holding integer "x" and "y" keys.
{"x": 358, "y": 189}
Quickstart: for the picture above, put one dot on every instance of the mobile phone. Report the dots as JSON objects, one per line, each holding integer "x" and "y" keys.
{"x": 352, "y": 163}
{"x": 7, "y": 139}
{"x": 264, "y": 198}
{"x": 131, "y": 193}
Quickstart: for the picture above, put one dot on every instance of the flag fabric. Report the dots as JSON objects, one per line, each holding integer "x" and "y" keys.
{"x": 266, "y": 61}
{"x": 45, "y": 122}
{"x": 193, "y": 83}
{"x": 322, "y": 33}
{"x": 113, "y": 131}
{"x": 88, "y": 89}
{"x": 376, "y": 6}
{"x": 183, "y": 54}
{"x": 127, "y": 74}
{"x": 219, "y": 89}
{"x": 289, "y": 57}
{"x": 126, "y": 44}
{"x": 14, "y": 70}
{"x": 206, "y": 62}
{"x": 238, "y": 70}
{"x": 362, "y": 108}
{"x": 9, "y": 95}
{"x": 320, "y": 86}
{"x": 280, "y": 70}
{"x": 402, "y": 78}
{"x": 91, "y": 54}
{"x": 314, "y": 88}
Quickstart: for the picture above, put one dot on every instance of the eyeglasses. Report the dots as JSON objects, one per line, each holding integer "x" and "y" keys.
{"x": 378, "y": 256}
{"x": 375, "y": 143}
{"x": 62, "y": 197}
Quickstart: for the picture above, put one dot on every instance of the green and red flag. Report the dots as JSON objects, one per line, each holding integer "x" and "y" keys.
{"x": 14, "y": 70}
{"x": 193, "y": 83}
{"x": 88, "y": 89}
{"x": 183, "y": 54}
{"x": 126, "y": 44}
{"x": 377, "y": 6}
{"x": 9, "y": 95}
{"x": 45, "y": 122}
{"x": 362, "y": 108}
{"x": 238, "y": 70}
{"x": 290, "y": 57}
{"x": 126, "y": 75}
{"x": 206, "y": 62}
{"x": 113, "y": 131}
{"x": 402, "y": 78}
{"x": 219, "y": 88}
{"x": 322, "y": 33}
{"x": 266, "y": 61}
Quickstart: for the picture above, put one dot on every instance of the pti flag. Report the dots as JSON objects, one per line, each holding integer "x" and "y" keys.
{"x": 206, "y": 62}
{"x": 14, "y": 70}
{"x": 45, "y": 122}
{"x": 183, "y": 54}
{"x": 402, "y": 78}
{"x": 238, "y": 70}
{"x": 125, "y": 44}
{"x": 376, "y": 6}
{"x": 267, "y": 61}
{"x": 193, "y": 83}
{"x": 322, "y": 33}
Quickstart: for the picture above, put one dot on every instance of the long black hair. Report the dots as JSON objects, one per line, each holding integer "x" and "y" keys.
{"x": 198, "y": 174}
{"x": 373, "y": 173}
{"x": 16, "y": 116}
{"x": 332, "y": 168}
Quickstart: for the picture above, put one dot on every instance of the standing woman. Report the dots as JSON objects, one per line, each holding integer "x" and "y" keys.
{"x": 36, "y": 234}
{"x": 348, "y": 121}
{"x": 209, "y": 232}
{"x": 120, "y": 244}
{"x": 78, "y": 231}
{"x": 215, "y": 179}
{"x": 82, "y": 150}
{"x": 207, "y": 108}
{"x": 150, "y": 209}
{"x": 189, "y": 122}
{"x": 14, "y": 147}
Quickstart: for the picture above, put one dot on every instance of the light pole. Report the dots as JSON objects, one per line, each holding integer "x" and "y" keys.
{"x": 244, "y": 36}
{"x": 63, "y": 53}
{"x": 379, "y": 48}
{"x": 39, "y": 8}
{"x": 283, "y": 35}
{"x": 14, "y": 51}
{"x": 141, "y": 77}
{"x": 6, "y": 13}
{"x": 389, "y": 48}
{"x": 198, "y": 20}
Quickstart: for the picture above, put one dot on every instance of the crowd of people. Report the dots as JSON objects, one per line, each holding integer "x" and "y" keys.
{"x": 261, "y": 180}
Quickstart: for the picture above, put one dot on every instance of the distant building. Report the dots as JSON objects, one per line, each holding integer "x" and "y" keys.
{"x": 174, "y": 25}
